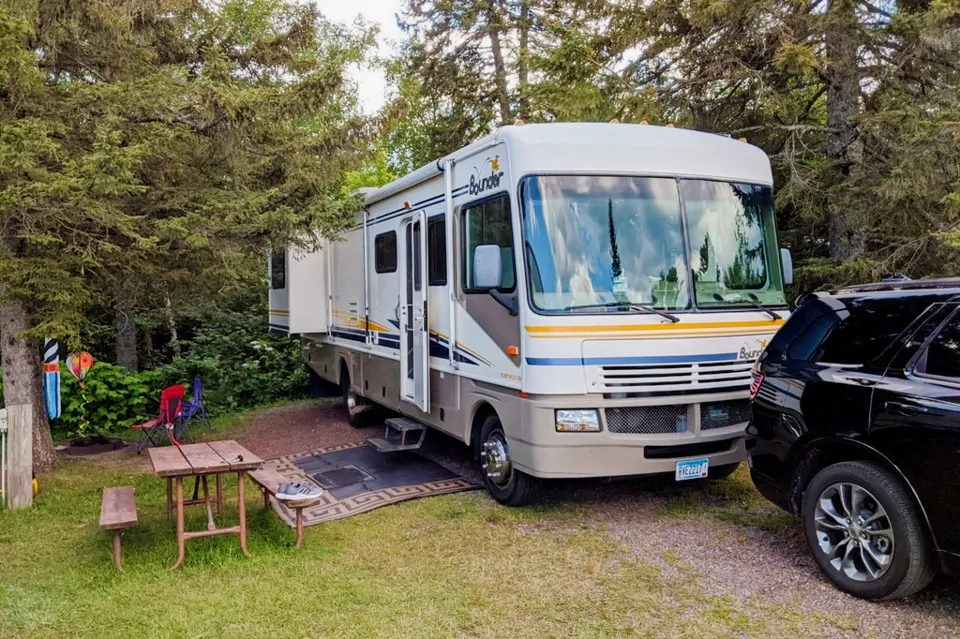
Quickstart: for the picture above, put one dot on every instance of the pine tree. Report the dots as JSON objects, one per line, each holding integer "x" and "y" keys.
{"x": 158, "y": 142}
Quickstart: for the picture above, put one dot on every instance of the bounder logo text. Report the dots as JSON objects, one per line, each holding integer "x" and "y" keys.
{"x": 480, "y": 183}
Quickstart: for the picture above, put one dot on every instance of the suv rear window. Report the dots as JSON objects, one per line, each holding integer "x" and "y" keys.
{"x": 856, "y": 335}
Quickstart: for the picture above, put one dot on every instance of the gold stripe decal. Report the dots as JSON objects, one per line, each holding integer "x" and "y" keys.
{"x": 684, "y": 328}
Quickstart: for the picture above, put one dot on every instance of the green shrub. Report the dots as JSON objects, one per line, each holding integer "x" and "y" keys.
{"x": 112, "y": 401}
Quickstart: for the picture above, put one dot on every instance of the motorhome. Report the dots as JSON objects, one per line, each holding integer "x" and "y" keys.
{"x": 570, "y": 300}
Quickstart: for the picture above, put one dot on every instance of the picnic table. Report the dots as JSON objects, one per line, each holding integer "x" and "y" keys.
{"x": 174, "y": 463}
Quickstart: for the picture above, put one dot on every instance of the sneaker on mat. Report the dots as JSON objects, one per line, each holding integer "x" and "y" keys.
{"x": 298, "y": 492}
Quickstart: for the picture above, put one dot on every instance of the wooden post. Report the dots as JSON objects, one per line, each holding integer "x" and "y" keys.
{"x": 20, "y": 455}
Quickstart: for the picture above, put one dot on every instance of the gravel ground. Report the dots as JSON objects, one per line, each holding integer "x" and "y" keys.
{"x": 753, "y": 566}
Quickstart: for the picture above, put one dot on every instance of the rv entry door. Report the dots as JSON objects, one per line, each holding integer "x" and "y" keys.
{"x": 415, "y": 329}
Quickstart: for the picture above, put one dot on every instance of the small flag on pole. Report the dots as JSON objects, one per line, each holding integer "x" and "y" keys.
{"x": 51, "y": 377}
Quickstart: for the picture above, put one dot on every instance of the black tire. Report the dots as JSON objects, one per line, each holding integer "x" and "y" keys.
{"x": 518, "y": 488}
{"x": 722, "y": 471}
{"x": 911, "y": 565}
{"x": 351, "y": 402}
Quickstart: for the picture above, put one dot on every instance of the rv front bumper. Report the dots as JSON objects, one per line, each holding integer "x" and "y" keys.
{"x": 637, "y": 437}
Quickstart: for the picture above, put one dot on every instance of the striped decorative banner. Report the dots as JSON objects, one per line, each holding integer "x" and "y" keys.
{"x": 51, "y": 377}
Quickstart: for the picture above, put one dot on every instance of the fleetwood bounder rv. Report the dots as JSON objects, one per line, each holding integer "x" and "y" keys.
{"x": 570, "y": 300}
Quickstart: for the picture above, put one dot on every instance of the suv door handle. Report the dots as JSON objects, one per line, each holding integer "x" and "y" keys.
{"x": 904, "y": 408}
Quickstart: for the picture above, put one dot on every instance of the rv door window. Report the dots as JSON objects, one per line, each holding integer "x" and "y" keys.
{"x": 486, "y": 223}
{"x": 278, "y": 270}
{"x": 437, "y": 252}
{"x": 385, "y": 252}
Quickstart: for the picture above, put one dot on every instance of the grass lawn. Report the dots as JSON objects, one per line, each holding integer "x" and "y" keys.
{"x": 449, "y": 566}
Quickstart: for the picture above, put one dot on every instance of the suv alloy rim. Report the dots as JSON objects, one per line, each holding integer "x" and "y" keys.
{"x": 854, "y": 532}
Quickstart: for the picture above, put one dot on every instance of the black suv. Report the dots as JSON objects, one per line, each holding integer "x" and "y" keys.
{"x": 856, "y": 430}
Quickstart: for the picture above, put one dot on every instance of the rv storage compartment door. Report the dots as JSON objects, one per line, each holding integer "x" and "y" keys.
{"x": 307, "y": 291}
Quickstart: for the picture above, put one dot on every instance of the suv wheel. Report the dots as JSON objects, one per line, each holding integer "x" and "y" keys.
{"x": 865, "y": 532}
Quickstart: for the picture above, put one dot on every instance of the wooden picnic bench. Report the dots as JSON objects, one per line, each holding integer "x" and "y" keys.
{"x": 269, "y": 480}
{"x": 118, "y": 512}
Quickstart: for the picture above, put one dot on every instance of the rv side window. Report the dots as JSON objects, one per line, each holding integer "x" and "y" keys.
{"x": 278, "y": 269}
{"x": 487, "y": 223}
{"x": 385, "y": 252}
{"x": 437, "y": 252}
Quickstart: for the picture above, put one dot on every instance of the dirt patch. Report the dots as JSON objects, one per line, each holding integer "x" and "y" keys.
{"x": 299, "y": 428}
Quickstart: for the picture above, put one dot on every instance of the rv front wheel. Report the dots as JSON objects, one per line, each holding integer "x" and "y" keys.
{"x": 509, "y": 486}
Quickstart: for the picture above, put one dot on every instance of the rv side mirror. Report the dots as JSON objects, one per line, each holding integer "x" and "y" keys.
{"x": 487, "y": 266}
{"x": 786, "y": 259}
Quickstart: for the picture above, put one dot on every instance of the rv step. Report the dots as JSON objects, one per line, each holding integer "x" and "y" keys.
{"x": 400, "y": 433}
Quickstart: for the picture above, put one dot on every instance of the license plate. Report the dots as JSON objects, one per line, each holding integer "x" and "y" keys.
{"x": 692, "y": 469}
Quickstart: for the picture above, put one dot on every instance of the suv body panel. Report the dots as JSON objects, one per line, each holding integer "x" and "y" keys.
{"x": 872, "y": 404}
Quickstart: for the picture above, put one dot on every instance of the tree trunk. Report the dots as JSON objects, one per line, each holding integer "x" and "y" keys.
{"x": 494, "y": 26}
{"x": 23, "y": 381}
{"x": 126, "y": 331}
{"x": 172, "y": 326}
{"x": 523, "y": 64}
{"x": 843, "y": 104}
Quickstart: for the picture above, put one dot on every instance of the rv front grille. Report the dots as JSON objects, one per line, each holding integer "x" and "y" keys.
{"x": 647, "y": 420}
{"x": 723, "y": 414}
{"x": 673, "y": 378}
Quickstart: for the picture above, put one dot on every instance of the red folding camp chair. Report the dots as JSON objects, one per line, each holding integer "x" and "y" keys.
{"x": 166, "y": 423}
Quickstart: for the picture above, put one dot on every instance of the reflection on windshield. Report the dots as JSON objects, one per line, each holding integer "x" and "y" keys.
{"x": 732, "y": 243}
{"x": 607, "y": 242}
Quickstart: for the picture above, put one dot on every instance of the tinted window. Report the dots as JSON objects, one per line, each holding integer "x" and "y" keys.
{"x": 943, "y": 353}
{"x": 278, "y": 269}
{"x": 385, "y": 252}
{"x": 862, "y": 336}
{"x": 807, "y": 344}
{"x": 489, "y": 223}
{"x": 437, "y": 252}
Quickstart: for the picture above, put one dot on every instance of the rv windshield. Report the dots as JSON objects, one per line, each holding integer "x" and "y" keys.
{"x": 599, "y": 243}
{"x": 617, "y": 244}
{"x": 733, "y": 244}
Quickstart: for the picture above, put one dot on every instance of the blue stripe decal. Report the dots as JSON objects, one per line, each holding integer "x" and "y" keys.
{"x": 627, "y": 361}
{"x": 430, "y": 201}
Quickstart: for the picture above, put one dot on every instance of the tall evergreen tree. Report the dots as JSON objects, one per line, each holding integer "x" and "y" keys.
{"x": 151, "y": 142}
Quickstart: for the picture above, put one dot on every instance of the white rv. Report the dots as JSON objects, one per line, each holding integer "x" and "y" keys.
{"x": 569, "y": 300}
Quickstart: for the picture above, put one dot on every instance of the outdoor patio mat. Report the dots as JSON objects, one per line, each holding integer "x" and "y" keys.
{"x": 356, "y": 479}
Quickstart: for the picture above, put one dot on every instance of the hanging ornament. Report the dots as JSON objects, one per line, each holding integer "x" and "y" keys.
{"x": 79, "y": 364}
{"x": 51, "y": 378}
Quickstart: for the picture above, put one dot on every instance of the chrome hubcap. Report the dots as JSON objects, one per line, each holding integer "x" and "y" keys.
{"x": 496, "y": 459}
{"x": 350, "y": 400}
{"x": 854, "y": 532}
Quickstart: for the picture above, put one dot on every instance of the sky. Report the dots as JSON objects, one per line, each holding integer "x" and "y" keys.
{"x": 372, "y": 84}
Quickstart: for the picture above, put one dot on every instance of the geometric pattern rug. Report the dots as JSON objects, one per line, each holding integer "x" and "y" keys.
{"x": 356, "y": 479}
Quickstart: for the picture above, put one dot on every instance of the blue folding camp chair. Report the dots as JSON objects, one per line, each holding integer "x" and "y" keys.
{"x": 194, "y": 410}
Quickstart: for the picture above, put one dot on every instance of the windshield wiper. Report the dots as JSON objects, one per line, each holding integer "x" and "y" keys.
{"x": 751, "y": 299}
{"x": 633, "y": 306}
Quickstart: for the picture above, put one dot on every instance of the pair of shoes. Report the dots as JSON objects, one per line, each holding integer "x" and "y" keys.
{"x": 298, "y": 492}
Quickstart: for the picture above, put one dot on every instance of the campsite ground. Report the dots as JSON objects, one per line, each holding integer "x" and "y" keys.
{"x": 638, "y": 558}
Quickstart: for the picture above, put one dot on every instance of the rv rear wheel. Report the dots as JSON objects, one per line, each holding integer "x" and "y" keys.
{"x": 351, "y": 403}
{"x": 509, "y": 486}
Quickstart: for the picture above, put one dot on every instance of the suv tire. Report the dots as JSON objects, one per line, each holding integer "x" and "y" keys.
{"x": 864, "y": 490}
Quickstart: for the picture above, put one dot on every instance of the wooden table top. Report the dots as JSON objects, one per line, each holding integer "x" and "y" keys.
{"x": 201, "y": 459}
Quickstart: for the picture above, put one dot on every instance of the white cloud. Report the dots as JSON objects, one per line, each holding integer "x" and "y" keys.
{"x": 372, "y": 85}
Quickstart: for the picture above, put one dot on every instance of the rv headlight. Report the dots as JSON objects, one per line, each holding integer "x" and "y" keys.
{"x": 578, "y": 421}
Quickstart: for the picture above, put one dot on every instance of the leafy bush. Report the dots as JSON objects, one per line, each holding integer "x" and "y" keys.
{"x": 112, "y": 401}
{"x": 239, "y": 363}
